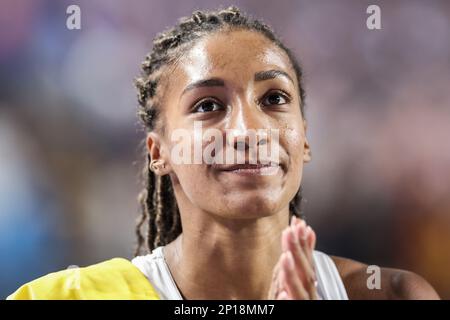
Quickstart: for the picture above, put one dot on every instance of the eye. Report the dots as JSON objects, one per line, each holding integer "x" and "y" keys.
{"x": 207, "y": 106}
{"x": 275, "y": 98}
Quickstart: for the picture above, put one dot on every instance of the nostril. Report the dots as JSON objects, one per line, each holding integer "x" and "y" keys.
{"x": 262, "y": 141}
{"x": 241, "y": 145}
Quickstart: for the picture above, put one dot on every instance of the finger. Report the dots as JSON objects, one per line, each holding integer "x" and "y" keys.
{"x": 305, "y": 236}
{"x": 273, "y": 290}
{"x": 290, "y": 280}
{"x": 303, "y": 266}
{"x": 294, "y": 221}
{"x": 275, "y": 282}
{"x": 311, "y": 236}
{"x": 283, "y": 295}
{"x": 285, "y": 240}
{"x": 307, "y": 275}
{"x": 310, "y": 244}
{"x": 304, "y": 269}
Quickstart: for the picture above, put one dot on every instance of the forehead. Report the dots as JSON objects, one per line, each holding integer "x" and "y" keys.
{"x": 233, "y": 55}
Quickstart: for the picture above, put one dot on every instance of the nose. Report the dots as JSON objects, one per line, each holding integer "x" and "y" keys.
{"x": 248, "y": 127}
{"x": 248, "y": 141}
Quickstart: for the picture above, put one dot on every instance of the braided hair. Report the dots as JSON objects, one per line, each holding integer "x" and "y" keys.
{"x": 159, "y": 222}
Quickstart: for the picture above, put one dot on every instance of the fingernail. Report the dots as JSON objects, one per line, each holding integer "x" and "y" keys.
{"x": 303, "y": 223}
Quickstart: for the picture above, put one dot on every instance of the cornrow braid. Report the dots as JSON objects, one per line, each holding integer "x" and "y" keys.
{"x": 160, "y": 216}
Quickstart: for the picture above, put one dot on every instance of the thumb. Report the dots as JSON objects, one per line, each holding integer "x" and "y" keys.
{"x": 275, "y": 282}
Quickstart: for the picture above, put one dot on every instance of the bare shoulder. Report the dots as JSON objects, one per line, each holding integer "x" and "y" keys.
{"x": 394, "y": 283}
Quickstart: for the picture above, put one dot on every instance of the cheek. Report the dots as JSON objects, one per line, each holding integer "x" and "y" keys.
{"x": 293, "y": 142}
{"x": 193, "y": 181}
{"x": 294, "y": 139}
{"x": 189, "y": 170}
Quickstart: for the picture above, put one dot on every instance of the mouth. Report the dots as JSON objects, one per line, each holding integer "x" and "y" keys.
{"x": 249, "y": 169}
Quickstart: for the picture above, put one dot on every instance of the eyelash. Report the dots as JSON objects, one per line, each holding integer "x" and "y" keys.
{"x": 278, "y": 92}
{"x": 209, "y": 99}
{"x": 199, "y": 104}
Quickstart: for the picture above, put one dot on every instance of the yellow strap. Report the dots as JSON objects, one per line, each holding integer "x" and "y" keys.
{"x": 113, "y": 279}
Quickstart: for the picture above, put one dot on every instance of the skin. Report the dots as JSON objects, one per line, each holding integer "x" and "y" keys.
{"x": 241, "y": 245}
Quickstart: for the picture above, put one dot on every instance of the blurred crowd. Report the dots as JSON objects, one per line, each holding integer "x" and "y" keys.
{"x": 378, "y": 110}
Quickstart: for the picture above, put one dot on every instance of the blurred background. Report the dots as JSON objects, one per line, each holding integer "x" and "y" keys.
{"x": 378, "y": 111}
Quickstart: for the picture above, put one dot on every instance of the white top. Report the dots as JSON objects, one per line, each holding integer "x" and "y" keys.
{"x": 155, "y": 268}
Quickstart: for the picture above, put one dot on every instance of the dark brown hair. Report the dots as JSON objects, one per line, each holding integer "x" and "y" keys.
{"x": 160, "y": 218}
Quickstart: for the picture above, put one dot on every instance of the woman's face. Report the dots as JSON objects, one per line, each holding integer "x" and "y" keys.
{"x": 237, "y": 102}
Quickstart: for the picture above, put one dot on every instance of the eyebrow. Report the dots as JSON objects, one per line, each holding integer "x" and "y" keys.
{"x": 217, "y": 82}
{"x": 272, "y": 74}
{"x": 213, "y": 82}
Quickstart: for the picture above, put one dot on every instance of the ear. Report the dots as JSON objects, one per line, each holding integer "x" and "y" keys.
{"x": 306, "y": 148}
{"x": 157, "y": 154}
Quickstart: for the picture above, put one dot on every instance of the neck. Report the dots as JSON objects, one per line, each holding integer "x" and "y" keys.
{"x": 217, "y": 258}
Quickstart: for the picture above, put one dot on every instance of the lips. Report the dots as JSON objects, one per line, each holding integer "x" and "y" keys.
{"x": 245, "y": 166}
{"x": 249, "y": 169}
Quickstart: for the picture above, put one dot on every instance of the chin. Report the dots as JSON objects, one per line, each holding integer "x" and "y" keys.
{"x": 252, "y": 205}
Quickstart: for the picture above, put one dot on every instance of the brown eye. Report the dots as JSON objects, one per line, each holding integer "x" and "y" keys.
{"x": 207, "y": 106}
{"x": 275, "y": 98}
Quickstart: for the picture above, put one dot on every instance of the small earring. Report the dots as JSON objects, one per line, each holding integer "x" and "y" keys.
{"x": 154, "y": 165}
